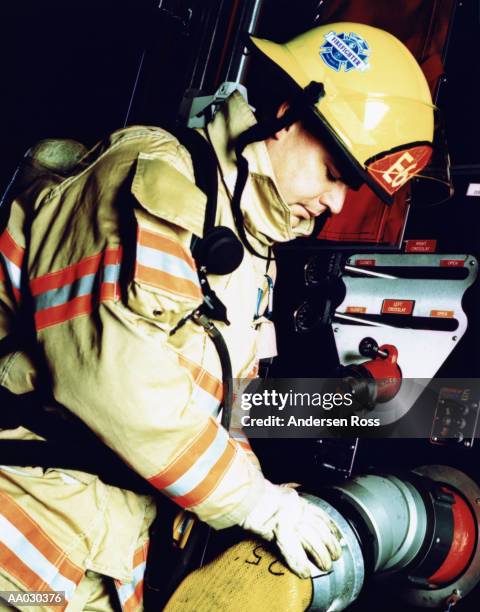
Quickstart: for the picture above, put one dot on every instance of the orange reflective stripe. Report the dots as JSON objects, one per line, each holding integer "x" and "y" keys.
{"x": 64, "y": 312}
{"x": 11, "y": 249}
{"x": 74, "y": 291}
{"x": 108, "y": 292}
{"x": 19, "y": 570}
{"x": 195, "y": 474}
{"x": 68, "y": 275}
{"x": 11, "y": 259}
{"x": 130, "y": 594}
{"x": 187, "y": 457}
{"x": 167, "y": 245}
{"x": 140, "y": 555}
{"x": 134, "y": 602}
{"x": 169, "y": 282}
{"x": 164, "y": 263}
{"x": 203, "y": 378}
{"x": 37, "y": 536}
{"x": 16, "y": 294}
{"x": 210, "y": 483}
{"x": 65, "y": 276}
{"x": 30, "y": 555}
{"x": 210, "y": 384}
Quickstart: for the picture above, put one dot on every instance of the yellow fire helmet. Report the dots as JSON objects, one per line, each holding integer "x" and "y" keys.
{"x": 375, "y": 109}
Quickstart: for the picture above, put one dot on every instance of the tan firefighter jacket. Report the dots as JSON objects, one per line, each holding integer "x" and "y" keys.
{"x": 101, "y": 263}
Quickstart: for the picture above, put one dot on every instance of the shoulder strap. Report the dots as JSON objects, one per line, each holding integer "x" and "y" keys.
{"x": 204, "y": 163}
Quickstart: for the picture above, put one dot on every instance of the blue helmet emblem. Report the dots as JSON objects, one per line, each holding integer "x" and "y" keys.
{"x": 345, "y": 52}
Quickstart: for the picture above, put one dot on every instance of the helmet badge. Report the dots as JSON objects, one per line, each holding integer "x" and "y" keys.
{"x": 345, "y": 52}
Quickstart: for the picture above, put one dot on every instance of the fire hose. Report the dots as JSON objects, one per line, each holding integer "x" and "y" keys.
{"x": 419, "y": 527}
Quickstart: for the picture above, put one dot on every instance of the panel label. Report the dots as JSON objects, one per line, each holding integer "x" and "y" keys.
{"x": 356, "y": 309}
{"x": 443, "y": 314}
{"x": 420, "y": 246}
{"x": 403, "y": 307}
{"x": 452, "y": 263}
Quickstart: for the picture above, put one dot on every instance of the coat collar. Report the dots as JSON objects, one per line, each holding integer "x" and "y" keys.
{"x": 266, "y": 214}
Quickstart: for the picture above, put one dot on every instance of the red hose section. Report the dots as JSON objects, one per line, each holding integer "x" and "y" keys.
{"x": 463, "y": 543}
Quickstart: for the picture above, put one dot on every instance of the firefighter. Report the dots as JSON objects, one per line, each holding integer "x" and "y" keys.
{"x": 100, "y": 265}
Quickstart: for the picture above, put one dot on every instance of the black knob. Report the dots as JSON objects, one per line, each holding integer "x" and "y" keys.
{"x": 368, "y": 347}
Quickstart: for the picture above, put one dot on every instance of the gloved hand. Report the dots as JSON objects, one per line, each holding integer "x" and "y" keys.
{"x": 297, "y": 527}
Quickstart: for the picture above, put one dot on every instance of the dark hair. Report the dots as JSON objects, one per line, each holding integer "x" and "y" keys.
{"x": 268, "y": 87}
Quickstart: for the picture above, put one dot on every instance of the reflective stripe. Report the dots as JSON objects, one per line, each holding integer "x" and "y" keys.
{"x": 172, "y": 284}
{"x": 18, "y": 543}
{"x": 205, "y": 401}
{"x": 111, "y": 273}
{"x": 11, "y": 250}
{"x": 210, "y": 483}
{"x": 68, "y": 275}
{"x": 196, "y": 472}
{"x": 164, "y": 263}
{"x": 13, "y": 272}
{"x": 55, "y": 297}
{"x": 171, "y": 264}
{"x": 209, "y": 384}
{"x": 73, "y": 291}
{"x": 11, "y": 255}
{"x": 131, "y": 590}
{"x": 131, "y": 593}
{"x": 183, "y": 463}
{"x": 194, "y": 476}
{"x": 29, "y": 554}
{"x": 83, "y": 286}
{"x": 208, "y": 390}
{"x": 157, "y": 241}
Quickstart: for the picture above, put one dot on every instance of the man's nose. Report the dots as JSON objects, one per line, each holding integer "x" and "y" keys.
{"x": 336, "y": 197}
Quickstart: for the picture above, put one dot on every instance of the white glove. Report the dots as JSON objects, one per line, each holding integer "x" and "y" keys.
{"x": 297, "y": 527}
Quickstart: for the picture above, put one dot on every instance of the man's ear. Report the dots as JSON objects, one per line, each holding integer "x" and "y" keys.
{"x": 282, "y": 109}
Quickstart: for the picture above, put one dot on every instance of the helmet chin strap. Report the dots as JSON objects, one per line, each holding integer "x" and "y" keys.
{"x": 258, "y": 132}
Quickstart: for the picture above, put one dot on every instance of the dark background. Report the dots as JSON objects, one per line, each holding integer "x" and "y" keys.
{"x": 68, "y": 67}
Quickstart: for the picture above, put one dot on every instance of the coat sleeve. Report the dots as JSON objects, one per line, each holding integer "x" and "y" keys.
{"x": 116, "y": 367}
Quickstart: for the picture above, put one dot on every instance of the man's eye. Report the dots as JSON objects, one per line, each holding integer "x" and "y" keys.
{"x": 331, "y": 176}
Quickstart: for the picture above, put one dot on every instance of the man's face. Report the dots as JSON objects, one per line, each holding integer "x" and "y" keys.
{"x": 305, "y": 173}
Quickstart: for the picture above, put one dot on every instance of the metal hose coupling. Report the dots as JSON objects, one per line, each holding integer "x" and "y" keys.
{"x": 421, "y": 526}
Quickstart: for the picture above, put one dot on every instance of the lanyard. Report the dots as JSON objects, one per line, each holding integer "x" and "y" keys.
{"x": 269, "y": 310}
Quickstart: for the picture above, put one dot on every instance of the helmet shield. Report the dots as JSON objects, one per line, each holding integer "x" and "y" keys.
{"x": 372, "y": 140}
